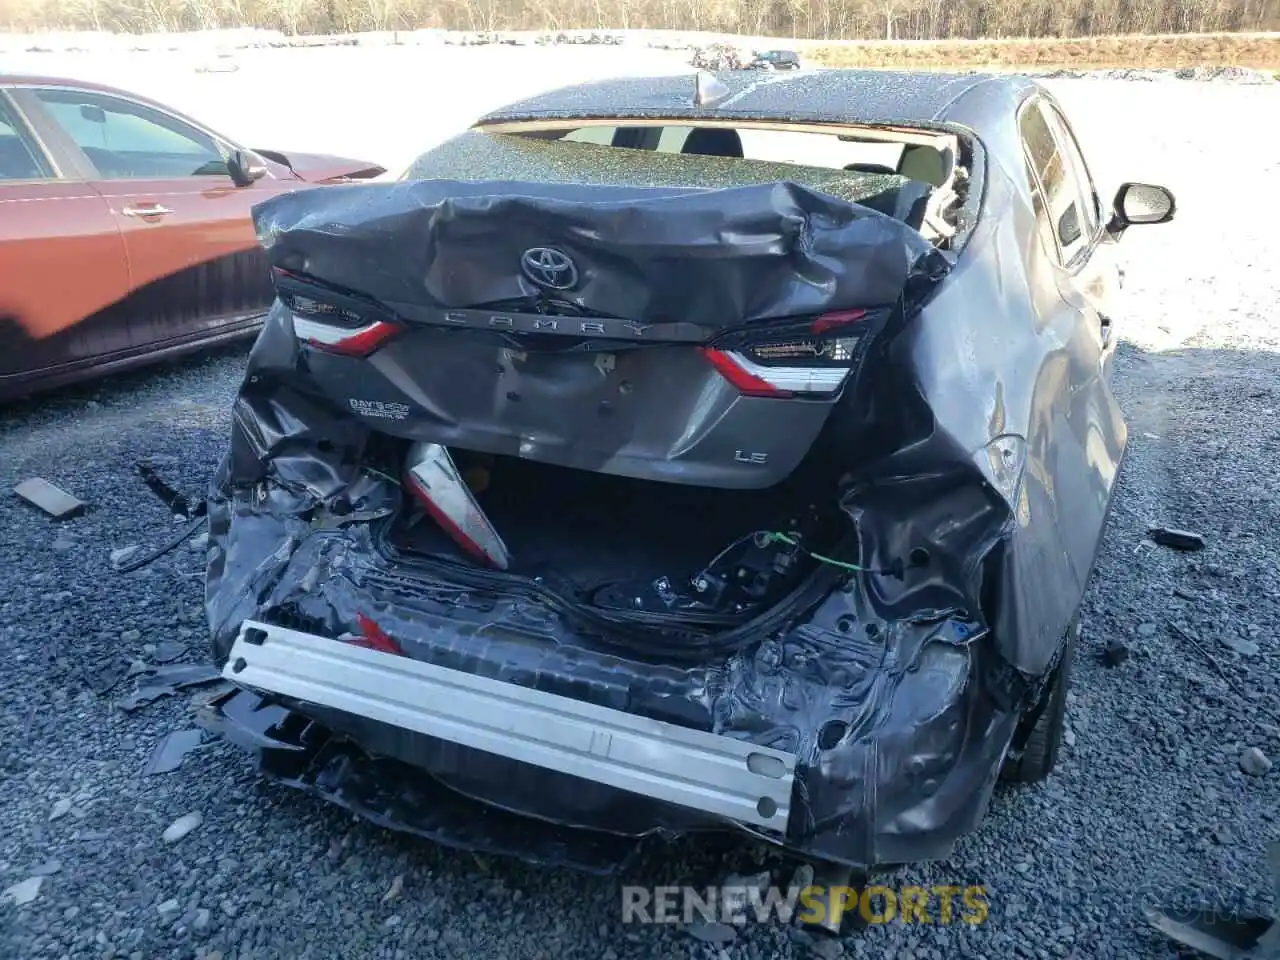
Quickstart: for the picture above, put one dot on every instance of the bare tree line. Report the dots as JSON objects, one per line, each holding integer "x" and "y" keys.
{"x": 806, "y": 19}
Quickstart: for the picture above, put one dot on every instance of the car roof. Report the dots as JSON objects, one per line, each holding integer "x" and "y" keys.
{"x": 33, "y": 80}
{"x": 868, "y": 96}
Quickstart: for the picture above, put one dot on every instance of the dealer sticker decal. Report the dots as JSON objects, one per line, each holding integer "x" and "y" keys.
{"x": 376, "y": 408}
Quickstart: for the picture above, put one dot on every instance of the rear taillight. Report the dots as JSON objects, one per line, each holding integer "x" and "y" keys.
{"x": 433, "y": 479}
{"x": 794, "y": 358}
{"x": 344, "y": 341}
{"x": 334, "y": 321}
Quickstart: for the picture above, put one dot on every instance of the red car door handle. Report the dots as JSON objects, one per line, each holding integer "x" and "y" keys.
{"x": 146, "y": 210}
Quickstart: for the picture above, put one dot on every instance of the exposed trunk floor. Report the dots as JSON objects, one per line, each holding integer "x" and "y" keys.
{"x": 591, "y": 528}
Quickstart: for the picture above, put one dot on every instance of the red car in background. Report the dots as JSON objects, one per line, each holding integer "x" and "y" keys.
{"x": 125, "y": 233}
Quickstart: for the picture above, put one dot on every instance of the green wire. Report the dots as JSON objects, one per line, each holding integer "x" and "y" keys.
{"x": 817, "y": 556}
{"x": 379, "y": 473}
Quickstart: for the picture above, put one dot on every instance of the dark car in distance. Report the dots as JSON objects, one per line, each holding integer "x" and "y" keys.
{"x": 776, "y": 60}
{"x": 680, "y": 454}
{"x": 125, "y": 233}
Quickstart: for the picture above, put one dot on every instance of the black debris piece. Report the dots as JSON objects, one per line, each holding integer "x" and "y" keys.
{"x": 1192, "y": 639}
{"x": 137, "y": 563}
{"x": 1177, "y": 539}
{"x": 165, "y": 681}
{"x": 170, "y": 752}
{"x": 1212, "y": 933}
{"x": 54, "y": 501}
{"x": 1114, "y": 653}
{"x": 168, "y": 650}
{"x": 396, "y": 796}
{"x": 1246, "y": 648}
{"x": 104, "y": 675}
{"x": 715, "y": 933}
{"x": 177, "y": 503}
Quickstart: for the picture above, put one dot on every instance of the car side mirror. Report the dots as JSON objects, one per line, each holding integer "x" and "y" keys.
{"x": 1141, "y": 203}
{"x": 245, "y": 167}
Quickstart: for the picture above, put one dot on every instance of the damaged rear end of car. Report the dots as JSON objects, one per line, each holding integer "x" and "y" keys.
{"x": 629, "y": 510}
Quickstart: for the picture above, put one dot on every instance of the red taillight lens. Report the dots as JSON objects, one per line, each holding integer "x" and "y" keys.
{"x": 733, "y": 368}
{"x": 795, "y": 357}
{"x": 433, "y": 479}
{"x": 344, "y": 341}
{"x": 840, "y": 318}
{"x": 334, "y": 321}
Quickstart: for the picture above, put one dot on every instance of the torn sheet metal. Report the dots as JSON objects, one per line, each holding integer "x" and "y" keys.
{"x": 978, "y": 451}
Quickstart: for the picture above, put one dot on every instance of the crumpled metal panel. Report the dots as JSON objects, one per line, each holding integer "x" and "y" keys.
{"x": 988, "y": 444}
{"x": 652, "y": 266}
{"x": 713, "y": 258}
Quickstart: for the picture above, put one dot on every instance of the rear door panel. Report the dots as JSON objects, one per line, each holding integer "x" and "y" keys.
{"x": 62, "y": 264}
{"x": 1093, "y": 282}
{"x": 1087, "y": 268}
{"x": 1080, "y": 269}
{"x": 194, "y": 268}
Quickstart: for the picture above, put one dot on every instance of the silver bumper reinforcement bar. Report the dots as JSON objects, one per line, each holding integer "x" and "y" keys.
{"x": 718, "y": 775}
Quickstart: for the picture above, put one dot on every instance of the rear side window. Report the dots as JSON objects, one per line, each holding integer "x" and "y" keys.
{"x": 1049, "y": 173}
{"x": 19, "y": 157}
{"x": 1087, "y": 195}
{"x": 773, "y": 146}
{"x": 126, "y": 140}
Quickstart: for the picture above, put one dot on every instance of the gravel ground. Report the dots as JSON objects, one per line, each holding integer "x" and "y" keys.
{"x": 1150, "y": 799}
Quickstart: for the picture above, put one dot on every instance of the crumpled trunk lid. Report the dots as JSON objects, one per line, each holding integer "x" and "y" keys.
{"x": 680, "y": 334}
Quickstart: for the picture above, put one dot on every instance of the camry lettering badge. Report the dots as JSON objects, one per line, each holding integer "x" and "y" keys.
{"x": 541, "y": 323}
{"x": 549, "y": 268}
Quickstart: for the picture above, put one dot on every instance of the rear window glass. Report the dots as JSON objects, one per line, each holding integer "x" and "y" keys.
{"x": 772, "y": 146}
